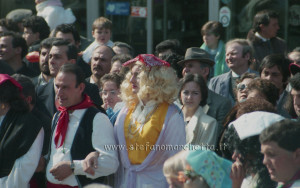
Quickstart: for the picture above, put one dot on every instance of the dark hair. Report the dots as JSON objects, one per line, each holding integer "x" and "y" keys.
{"x": 289, "y": 106}
{"x": 213, "y": 27}
{"x": 11, "y": 95}
{"x": 17, "y": 41}
{"x": 9, "y": 25}
{"x": 124, "y": 45}
{"x": 201, "y": 83}
{"x": 38, "y": 25}
{"x": 263, "y": 17}
{"x": 73, "y": 69}
{"x": 28, "y": 86}
{"x": 72, "y": 50}
{"x": 278, "y": 60}
{"x": 285, "y": 133}
{"x": 47, "y": 43}
{"x": 246, "y": 75}
{"x": 295, "y": 81}
{"x": 121, "y": 57}
{"x": 173, "y": 58}
{"x": 267, "y": 88}
{"x": 170, "y": 44}
{"x": 250, "y": 105}
{"x": 114, "y": 77}
{"x": 68, "y": 28}
{"x": 249, "y": 148}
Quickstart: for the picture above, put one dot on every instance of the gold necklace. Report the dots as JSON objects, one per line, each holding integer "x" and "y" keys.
{"x": 131, "y": 134}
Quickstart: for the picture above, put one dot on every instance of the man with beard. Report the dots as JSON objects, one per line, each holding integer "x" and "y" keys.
{"x": 45, "y": 76}
{"x": 62, "y": 52}
{"x": 100, "y": 63}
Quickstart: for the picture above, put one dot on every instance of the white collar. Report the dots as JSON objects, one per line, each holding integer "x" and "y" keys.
{"x": 141, "y": 111}
{"x": 92, "y": 80}
{"x": 261, "y": 37}
{"x": 235, "y": 75}
{"x": 78, "y": 113}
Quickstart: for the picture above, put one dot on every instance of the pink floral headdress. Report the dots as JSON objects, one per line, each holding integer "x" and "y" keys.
{"x": 149, "y": 60}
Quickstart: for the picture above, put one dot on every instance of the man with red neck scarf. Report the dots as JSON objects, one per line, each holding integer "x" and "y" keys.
{"x": 76, "y": 133}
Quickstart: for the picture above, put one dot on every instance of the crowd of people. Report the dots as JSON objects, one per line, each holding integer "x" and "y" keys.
{"x": 80, "y": 113}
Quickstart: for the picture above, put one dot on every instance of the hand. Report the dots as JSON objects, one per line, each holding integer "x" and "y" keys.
{"x": 41, "y": 165}
{"x": 90, "y": 163}
{"x": 62, "y": 170}
{"x": 237, "y": 174}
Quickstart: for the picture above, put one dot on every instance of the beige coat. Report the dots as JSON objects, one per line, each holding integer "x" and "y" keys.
{"x": 201, "y": 129}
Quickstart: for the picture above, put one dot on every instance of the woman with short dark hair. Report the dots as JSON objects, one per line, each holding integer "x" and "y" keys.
{"x": 200, "y": 128}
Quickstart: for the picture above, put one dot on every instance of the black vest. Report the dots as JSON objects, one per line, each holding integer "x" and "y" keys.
{"x": 82, "y": 143}
{"x": 18, "y": 131}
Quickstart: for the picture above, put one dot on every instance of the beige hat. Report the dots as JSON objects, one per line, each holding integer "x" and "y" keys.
{"x": 195, "y": 53}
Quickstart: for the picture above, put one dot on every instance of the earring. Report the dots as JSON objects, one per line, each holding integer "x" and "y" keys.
{"x": 3, "y": 106}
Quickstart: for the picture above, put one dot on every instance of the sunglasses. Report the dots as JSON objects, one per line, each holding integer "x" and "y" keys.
{"x": 241, "y": 86}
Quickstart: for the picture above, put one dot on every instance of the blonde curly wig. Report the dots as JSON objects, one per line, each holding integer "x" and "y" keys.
{"x": 158, "y": 83}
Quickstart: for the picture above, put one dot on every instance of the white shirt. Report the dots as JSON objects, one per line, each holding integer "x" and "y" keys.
{"x": 102, "y": 135}
{"x": 250, "y": 182}
{"x": 88, "y": 52}
{"x": 24, "y": 167}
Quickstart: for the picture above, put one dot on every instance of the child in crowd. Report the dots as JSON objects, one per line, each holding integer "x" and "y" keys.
{"x": 101, "y": 32}
{"x": 197, "y": 168}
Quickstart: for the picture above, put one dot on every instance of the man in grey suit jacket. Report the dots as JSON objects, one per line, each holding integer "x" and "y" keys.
{"x": 197, "y": 61}
{"x": 238, "y": 58}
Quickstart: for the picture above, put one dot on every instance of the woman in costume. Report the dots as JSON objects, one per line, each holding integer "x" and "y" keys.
{"x": 148, "y": 124}
{"x": 21, "y": 136}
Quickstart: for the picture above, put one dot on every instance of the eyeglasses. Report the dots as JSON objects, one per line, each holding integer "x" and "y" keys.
{"x": 241, "y": 86}
{"x": 112, "y": 92}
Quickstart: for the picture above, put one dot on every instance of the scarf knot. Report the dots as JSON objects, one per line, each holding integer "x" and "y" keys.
{"x": 63, "y": 121}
